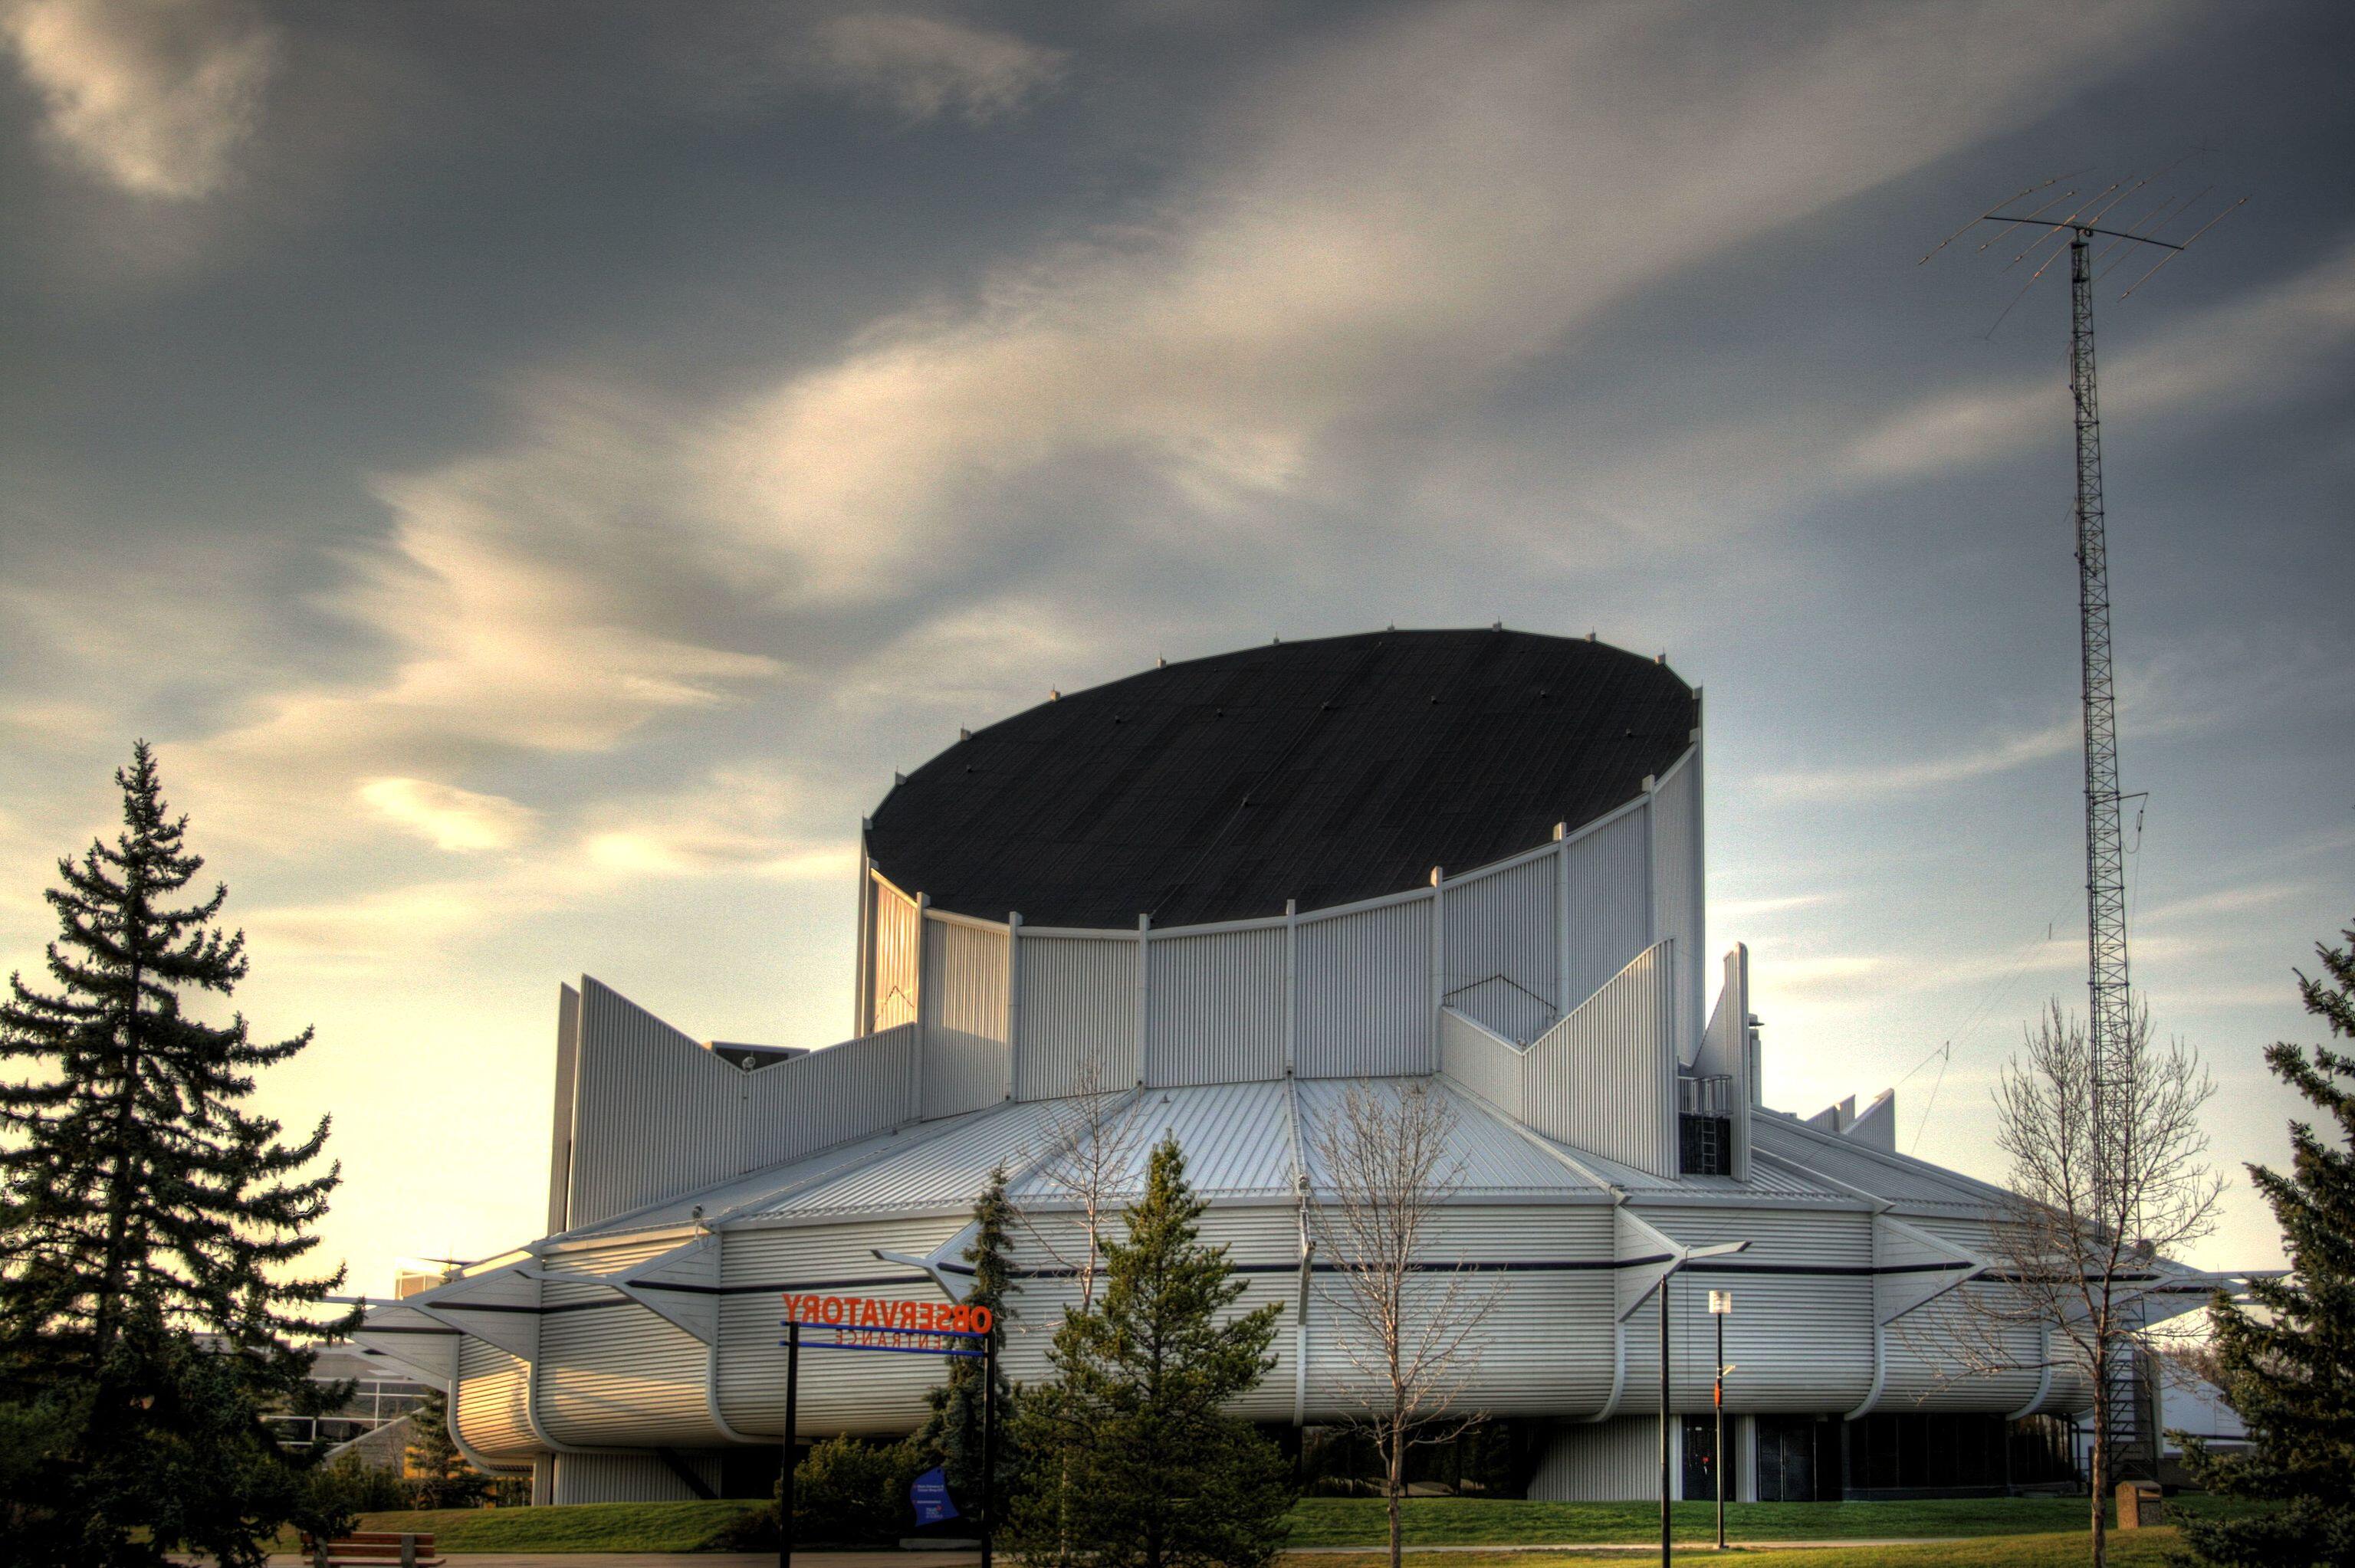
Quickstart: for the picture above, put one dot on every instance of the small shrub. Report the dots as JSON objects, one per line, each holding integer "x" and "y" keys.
{"x": 336, "y": 1495}
{"x": 850, "y": 1492}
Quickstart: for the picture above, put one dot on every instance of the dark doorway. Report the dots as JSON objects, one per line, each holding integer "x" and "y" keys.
{"x": 1700, "y": 1456}
{"x": 1799, "y": 1459}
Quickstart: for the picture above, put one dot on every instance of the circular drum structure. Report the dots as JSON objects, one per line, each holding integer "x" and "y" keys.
{"x": 1213, "y": 902}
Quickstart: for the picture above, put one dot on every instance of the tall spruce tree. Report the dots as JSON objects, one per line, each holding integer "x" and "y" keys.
{"x": 952, "y": 1434}
{"x": 142, "y": 1206}
{"x": 2289, "y": 1368}
{"x": 1130, "y": 1458}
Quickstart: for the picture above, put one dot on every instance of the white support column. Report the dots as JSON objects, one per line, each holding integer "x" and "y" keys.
{"x": 862, "y": 1006}
{"x": 1438, "y": 965}
{"x": 1013, "y": 995}
{"x": 1563, "y": 1000}
{"x": 1143, "y": 977}
{"x": 923, "y": 952}
{"x": 1290, "y": 987}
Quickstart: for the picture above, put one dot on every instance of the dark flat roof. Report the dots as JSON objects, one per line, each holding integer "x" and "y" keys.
{"x": 1324, "y": 771}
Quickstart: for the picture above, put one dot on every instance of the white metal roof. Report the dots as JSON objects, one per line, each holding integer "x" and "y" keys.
{"x": 1247, "y": 1141}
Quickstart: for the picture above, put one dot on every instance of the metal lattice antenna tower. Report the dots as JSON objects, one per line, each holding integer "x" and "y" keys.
{"x": 2111, "y": 1019}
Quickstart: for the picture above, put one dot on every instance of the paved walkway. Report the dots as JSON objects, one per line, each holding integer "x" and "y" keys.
{"x": 965, "y": 1559}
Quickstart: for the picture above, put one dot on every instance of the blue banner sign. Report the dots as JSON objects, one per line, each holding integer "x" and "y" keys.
{"x": 930, "y": 1493}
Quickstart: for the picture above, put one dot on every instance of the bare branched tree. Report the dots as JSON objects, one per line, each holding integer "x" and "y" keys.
{"x": 1408, "y": 1327}
{"x": 1094, "y": 1134}
{"x": 2106, "y": 1178}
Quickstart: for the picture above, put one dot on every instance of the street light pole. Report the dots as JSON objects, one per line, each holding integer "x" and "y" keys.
{"x": 1720, "y": 1306}
{"x": 1688, "y": 1256}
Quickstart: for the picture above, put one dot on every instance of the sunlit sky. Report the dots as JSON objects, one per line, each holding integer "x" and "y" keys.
{"x": 537, "y": 471}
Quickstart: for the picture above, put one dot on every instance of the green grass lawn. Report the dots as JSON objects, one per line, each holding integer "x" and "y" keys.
{"x": 2139, "y": 1549}
{"x": 2032, "y": 1530}
{"x": 1467, "y": 1521}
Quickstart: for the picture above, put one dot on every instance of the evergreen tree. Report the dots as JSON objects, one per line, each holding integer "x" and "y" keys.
{"x": 952, "y": 1434}
{"x": 142, "y": 1206}
{"x": 1130, "y": 1459}
{"x": 443, "y": 1477}
{"x": 2289, "y": 1368}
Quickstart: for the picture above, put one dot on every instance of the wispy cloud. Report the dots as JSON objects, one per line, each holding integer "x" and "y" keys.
{"x": 1997, "y": 754}
{"x": 925, "y": 67}
{"x": 2257, "y": 347}
{"x": 446, "y": 816}
{"x": 155, "y": 96}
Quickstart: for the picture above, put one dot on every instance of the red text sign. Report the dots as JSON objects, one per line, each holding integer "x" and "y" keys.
{"x": 866, "y": 1312}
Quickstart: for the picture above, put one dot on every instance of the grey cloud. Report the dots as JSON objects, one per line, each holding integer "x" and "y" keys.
{"x": 155, "y": 96}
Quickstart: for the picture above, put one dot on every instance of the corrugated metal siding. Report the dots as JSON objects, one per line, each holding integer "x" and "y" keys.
{"x": 1079, "y": 1005}
{"x": 1480, "y": 1062}
{"x": 1725, "y": 1049}
{"x": 1214, "y": 1008}
{"x": 1610, "y": 1461}
{"x": 629, "y": 1477}
{"x": 1605, "y": 1078}
{"x": 840, "y": 1391}
{"x": 1929, "y": 1348}
{"x": 1520, "y": 1359}
{"x": 1802, "y": 1341}
{"x": 1364, "y": 988}
{"x": 842, "y": 1092}
{"x": 1519, "y": 1015}
{"x": 1610, "y": 903}
{"x": 945, "y": 1168}
{"x": 645, "y": 1099}
{"x": 1679, "y": 892}
{"x": 1897, "y": 1177}
{"x": 898, "y": 952}
{"x": 611, "y": 1373}
{"x": 967, "y": 1064}
{"x": 1500, "y": 926}
{"x": 490, "y": 1404}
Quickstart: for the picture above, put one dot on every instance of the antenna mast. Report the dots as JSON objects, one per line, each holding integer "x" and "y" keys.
{"x": 2110, "y": 1021}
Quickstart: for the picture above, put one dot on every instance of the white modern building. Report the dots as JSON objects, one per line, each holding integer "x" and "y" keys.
{"x": 1205, "y": 901}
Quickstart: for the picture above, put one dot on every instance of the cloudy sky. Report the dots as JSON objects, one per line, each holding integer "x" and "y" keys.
{"x": 537, "y": 471}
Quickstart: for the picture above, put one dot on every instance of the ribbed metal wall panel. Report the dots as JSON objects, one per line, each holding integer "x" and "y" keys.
{"x": 1803, "y": 1339}
{"x": 1479, "y": 1061}
{"x": 840, "y": 1391}
{"x": 1605, "y": 1078}
{"x": 897, "y": 946}
{"x": 1214, "y": 1008}
{"x": 646, "y": 1100}
{"x": 1520, "y": 1359}
{"x": 1677, "y": 892}
{"x": 1931, "y": 1349}
{"x": 1079, "y": 1005}
{"x": 1725, "y": 1050}
{"x": 1501, "y": 927}
{"x": 967, "y": 1062}
{"x": 1610, "y": 902}
{"x": 829, "y": 1096}
{"x": 1363, "y": 985}
{"x": 490, "y": 1402}
{"x": 611, "y": 1373}
{"x": 1610, "y": 1461}
{"x": 629, "y": 1477}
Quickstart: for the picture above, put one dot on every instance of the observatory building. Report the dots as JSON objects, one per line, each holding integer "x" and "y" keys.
{"x": 1206, "y": 902}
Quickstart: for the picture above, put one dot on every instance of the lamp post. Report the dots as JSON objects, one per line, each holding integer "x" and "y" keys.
{"x": 1688, "y": 1256}
{"x": 1720, "y": 1306}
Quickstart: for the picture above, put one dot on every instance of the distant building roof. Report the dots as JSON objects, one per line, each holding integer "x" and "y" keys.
{"x": 1324, "y": 771}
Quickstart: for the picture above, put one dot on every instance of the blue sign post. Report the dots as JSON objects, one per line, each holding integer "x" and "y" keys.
{"x": 902, "y": 1329}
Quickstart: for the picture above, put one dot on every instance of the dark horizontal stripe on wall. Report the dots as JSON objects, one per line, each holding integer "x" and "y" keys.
{"x": 1556, "y": 1265}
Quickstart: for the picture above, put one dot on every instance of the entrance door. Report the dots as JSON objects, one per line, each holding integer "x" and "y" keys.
{"x": 1700, "y": 1456}
{"x": 1787, "y": 1471}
